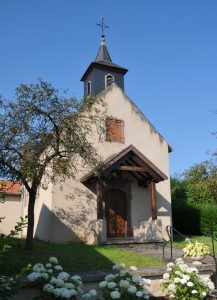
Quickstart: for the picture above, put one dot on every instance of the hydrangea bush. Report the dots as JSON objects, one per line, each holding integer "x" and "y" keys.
{"x": 8, "y": 287}
{"x": 57, "y": 284}
{"x": 194, "y": 249}
{"x": 182, "y": 282}
{"x": 124, "y": 284}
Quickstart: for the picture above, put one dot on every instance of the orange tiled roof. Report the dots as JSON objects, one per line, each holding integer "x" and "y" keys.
{"x": 10, "y": 187}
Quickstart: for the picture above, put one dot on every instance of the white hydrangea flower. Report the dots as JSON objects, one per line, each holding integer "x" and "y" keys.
{"x": 136, "y": 278}
{"x": 44, "y": 276}
{"x": 58, "y": 268}
{"x": 48, "y": 265}
{"x": 166, "y": 276}
{"x": 76, "y": 278}
{"x": 194, "y": 292}
{"x": 69, "y": 285}
{"x": 204, "y": 294}
{"x": 176, "y": 280}
{"x": 38, "y": 268}
{"x": 133, "y": 268}
{"x": 93, "y": 292}
{"x": 33, "y": 276}
{"x": 109, "y": 277}
{"x": 172, "y": 287}
{"x": 74, "y": 292}
{"x": 170, "y": 265}
{"x": 59, "y": 283}
{"x": 123, "y": 272}
{"x": 48, "y": 287}
{"x": 118, "y": 267}
{"x": 169, "y": 269}
{"x": 57, "y": 292}
{"x": 145, "y": 281}
{"x": 115, "y": 295}
{"x": 183, "y": 267}
{"x": 124, "y": 283}
{"x": 66, "y": 293}
{"x": 50, "y": 271}
{"x": 187, "y": 277}
{"x": 178, "y": 273}
{"x": 132, "y": 289}
{"x": 139, "y": 294}
{"x": 111, "y": 285}
{"x": 190, "y": 283}
{"x": 183, "y": 281}
{"x": 53, "y": 260}
{"x": 63, "y": 275}
{"x": 103, "y": 284}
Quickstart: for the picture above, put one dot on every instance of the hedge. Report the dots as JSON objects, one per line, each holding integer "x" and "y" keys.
{"x": 194, "y": 219}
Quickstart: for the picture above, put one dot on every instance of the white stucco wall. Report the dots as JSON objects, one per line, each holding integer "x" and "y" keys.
{"x": 11, "y": 209}
{"x": 71, "y": 207}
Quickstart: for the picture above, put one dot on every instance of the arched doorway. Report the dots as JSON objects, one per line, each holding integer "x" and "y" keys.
{"x": 116, "y": 213}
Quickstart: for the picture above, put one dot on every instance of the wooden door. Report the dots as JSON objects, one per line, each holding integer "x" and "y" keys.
{"x": 116, "y": 214}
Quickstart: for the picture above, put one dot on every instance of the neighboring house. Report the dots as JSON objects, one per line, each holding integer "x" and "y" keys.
{"x": 11, "y": 209}
{"x": 131, "y": 198}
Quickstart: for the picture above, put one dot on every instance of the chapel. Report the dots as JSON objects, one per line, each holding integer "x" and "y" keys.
{"x": 129, "y": 199}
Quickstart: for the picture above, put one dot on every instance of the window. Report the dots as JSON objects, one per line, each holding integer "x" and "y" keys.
{"x": 109, "y": 79}
{"x": 114, "y": 130}
{"x": 88, "y": 88}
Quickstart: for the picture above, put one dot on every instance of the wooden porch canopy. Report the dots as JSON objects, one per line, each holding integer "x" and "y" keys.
{"x": 132, "y": 161}
{"x": 129, "y": 160}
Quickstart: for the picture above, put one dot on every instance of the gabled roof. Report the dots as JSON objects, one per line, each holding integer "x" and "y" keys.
{"x": 10, "y": 187}
{"x": 133, "y": 161}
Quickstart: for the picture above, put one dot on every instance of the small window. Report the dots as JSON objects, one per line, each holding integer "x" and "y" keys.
{"x": 88, "y": 88}
{"x": 109, "y": 79}
{"x": 114, "y": 130}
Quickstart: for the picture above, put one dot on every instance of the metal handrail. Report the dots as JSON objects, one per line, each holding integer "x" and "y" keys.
{"x": 170, "y": 230}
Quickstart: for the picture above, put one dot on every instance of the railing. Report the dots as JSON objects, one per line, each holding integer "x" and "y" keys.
{"x": 214, "y": 275}
{"x": 170, "y": 230}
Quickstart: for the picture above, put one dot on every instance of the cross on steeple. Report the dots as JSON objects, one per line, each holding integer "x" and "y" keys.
{"x": 102, "y": 26}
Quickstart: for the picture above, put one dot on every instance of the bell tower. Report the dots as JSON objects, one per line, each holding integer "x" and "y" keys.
{"x": 102, "y": 72}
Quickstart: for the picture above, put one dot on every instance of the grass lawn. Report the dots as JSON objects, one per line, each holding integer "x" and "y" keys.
{"x": 179, "y": 242}
{"x": 73, "y": 258}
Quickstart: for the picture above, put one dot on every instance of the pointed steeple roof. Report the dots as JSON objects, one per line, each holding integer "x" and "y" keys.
{"x": 103, "y": 54}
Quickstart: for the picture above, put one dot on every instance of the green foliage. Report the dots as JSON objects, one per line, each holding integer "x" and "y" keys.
{"x": 44, "y": 134}
{"x": 5, "y": 244}
{"x": 186, "y": 218}
{"x": 201, "y": 183}
{"x": 208, "y": 219}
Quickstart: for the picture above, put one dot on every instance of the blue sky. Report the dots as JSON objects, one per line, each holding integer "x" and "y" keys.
{"x": 169, "y": 47}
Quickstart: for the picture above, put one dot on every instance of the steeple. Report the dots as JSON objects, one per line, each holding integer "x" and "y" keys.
{"x": 103, "y": 54}
{"x": 102, "y": 72}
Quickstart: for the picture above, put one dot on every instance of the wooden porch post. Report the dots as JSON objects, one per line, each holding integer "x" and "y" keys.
{"x": 100, "y": 202}
{"x": 153, "y": 196}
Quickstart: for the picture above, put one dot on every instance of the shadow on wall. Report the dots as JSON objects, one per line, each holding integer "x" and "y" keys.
{"x": 51, "y": 229}
{"x": 74, "y": 223}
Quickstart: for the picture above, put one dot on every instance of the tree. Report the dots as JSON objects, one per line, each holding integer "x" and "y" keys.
{"x": 43, "y": 134}
{"x": 201, "y": 182}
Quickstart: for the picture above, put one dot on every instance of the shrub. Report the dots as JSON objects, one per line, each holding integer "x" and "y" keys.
{"x": 186, "y": 218}
{"x": 208, "y": 218}
{"x": 55, "y": 283}
{"x": 182, "y": 282}
{"x": 124, "y": 285}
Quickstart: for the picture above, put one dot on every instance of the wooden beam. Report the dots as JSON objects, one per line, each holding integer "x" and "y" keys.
{"x": 99, "y": 195}
{"x": 153, "y": 196}
{"x": 131, "y": 168}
